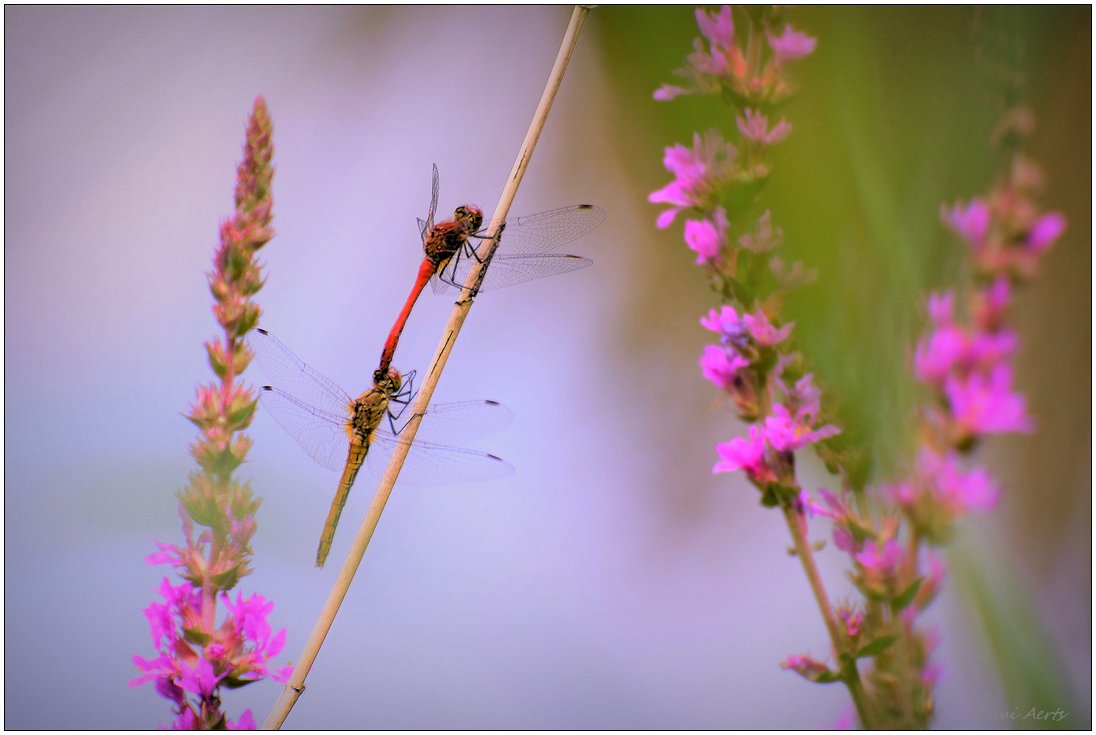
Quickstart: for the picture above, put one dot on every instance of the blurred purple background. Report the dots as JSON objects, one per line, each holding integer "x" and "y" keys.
{"x": 611, "y": 583}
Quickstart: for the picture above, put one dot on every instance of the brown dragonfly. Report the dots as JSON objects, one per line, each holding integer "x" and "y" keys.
{"x": 347, "y": 434}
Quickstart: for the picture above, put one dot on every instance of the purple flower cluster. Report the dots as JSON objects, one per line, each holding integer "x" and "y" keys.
{"x": 699, "y": 173}
{"x": 746, "y": 363}
{"x": 192, "y": 664}
{"x": 1006, "y": 231}
{"x": 196, "y": 656}
{"x": 752, "y": 75}
{"x": 722, "y": 64}
{"x": 964, "y": 362}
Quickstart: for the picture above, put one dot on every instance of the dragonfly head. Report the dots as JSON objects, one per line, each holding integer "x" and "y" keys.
{"x": 389, "y": 382}
{"x": 469, "y": 217}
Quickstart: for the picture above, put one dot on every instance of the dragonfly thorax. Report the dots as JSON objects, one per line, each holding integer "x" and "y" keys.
{"x": 367, "y": 412}
{"x": 444, "y": 240}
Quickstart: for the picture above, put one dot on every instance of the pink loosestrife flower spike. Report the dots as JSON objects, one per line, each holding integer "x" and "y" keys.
{"x": 198, "y": 656}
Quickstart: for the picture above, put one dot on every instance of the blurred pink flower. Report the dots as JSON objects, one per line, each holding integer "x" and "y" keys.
{"x": 843, "y": 539}
{"x": 852, "y": 619}
{"x": 707, "y": 237}
{"x": 717, "y": 26}
{"x": 834, "y": 507}
{"x": 791, "y": 45}
{"x": 787, "y": 433}
{"x": 936, "y": 355}
{"x": 805, "y": 398}
{"x": 721, "y": 366}
{"x": 1045, "y": 232}
{"x": 186, "y": 720}
{"x": 745, "y": 454}
{"x": 941, "y": 307}
{"x": 667, "y": 92}
{"x": 763, "y": 331}
{"x": 804, "y": 666}
{"x": 988, "y": 349}
{"x": 960, "y": 490}
{"x": 755, "y": 126}
{"x": 764, "y": 238}
{"x": 714, "y": 60}
{"x": 724, "y": 321}
{"x": 698, "y": 172}
{"x": 991, "y": 304}
{"x": 983, "y": 404}
{"x": 199, "y": 678}
{"x": 971, "y": 222}
{"x": 881, "y": 558}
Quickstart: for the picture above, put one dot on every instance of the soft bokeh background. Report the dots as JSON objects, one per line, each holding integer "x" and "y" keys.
{"x": 613, "y": 582}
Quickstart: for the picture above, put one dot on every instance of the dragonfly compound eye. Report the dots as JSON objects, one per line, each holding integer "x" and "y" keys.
{"x": 394, "y": 380}
{"x": 469, "y": 217}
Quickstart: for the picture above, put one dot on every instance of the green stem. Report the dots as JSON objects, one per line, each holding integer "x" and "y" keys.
{"x": 209, "y": 594}
{"x": 851, "y": 676}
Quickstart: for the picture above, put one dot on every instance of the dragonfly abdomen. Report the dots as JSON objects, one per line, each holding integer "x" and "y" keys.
{"x": 354, "y": 461}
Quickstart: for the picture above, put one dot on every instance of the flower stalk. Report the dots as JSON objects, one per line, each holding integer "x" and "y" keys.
{"x": 886, "y": 530}
{"x": 197, "y": 657}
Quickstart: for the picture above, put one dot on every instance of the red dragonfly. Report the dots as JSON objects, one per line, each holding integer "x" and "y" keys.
{"x": 344, "y": 433}
{"x": 522, "y": 254}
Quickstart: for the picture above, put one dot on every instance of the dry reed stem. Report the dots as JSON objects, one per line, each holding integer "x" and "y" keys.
{"x": 295, "y": 686}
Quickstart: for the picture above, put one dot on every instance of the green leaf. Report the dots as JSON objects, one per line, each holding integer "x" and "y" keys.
{"x": 233, "y": 683}
{"x": 877, "y": 646}
{"x": 241, "y": 412}
{"x": 825, "y": 677}
{"x": 196, "y": 636}
{"x": 903, "y": 600}
{"x": 227, "y": 579}
{"x": 216, "y": 357}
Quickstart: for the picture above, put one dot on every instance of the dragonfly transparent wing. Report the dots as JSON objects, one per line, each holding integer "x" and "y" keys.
{"x": 321, "y": 434}
{"x": 539, "y": 233}
{"x": 509, "y": 269}
{"x": 426, "y": 224}
{"x": 289, "y": 373}
{"x": 438, "y": 282}
{"x": 462, "y": 421}
{"x": 428, "y": 463}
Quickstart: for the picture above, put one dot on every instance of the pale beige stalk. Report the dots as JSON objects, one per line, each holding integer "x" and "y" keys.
{"x": 295, "y": 686}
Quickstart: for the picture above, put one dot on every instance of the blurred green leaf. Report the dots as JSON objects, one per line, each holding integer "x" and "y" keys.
{"x": 903, "y": 600}
{"x": 1031, "y": 676}
{"x": 877, "y": 646}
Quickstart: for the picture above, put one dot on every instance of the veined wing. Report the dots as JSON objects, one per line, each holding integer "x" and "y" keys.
{"x": 429, "y": 463}
{"x": 462, "y": 421}
{"x": 510, "y": 269}
{"x": 539, "y": 233}
{"x": 320, "y": 433}
{"x": 426, "y": 224}
{"x": 289, "y": 373}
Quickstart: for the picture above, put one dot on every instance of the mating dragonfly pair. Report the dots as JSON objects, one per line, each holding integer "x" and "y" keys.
{"x": 341, "y": 432}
